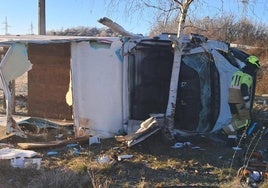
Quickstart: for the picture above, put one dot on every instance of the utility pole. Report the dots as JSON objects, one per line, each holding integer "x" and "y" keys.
{"x": 41, "y": 17}
{"x": 31, "y": 28}
{"x": 6, "y": 26}
{"x": 245, "y": 9}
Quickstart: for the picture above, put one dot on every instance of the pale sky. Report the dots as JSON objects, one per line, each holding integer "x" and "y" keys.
{"x": 22, "y": 15}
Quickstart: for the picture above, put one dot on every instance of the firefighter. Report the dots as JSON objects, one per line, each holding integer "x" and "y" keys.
{"x": 240, "y": 94}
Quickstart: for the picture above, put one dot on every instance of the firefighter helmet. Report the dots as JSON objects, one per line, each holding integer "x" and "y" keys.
{"x": 254, "y": 61}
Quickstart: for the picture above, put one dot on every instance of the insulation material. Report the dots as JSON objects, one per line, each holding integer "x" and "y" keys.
{"x": 69, "y": 97}
{"x": 15, "y": 63}
{"x": 97, "y": 87}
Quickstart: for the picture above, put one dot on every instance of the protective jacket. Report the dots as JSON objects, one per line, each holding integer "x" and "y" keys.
{"x": 242, "y": 81}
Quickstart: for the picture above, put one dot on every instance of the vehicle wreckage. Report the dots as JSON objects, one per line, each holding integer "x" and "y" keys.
{"x": 121, "y": 83}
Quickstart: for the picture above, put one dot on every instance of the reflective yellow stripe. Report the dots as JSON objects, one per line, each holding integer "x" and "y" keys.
{"x": 241, "y": 78}
{"x": 236, "y": 79}
{"x": 238, "y": 123}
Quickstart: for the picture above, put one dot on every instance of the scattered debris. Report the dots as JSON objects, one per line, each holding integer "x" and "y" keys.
{"x": 251, "y": 177}
{"x": 147, "y": 128}
{"x": 59, "y": 136}
{"x": 237, "y": 148}
{"x": 180, "y": 145}
{"x": 10, "y": 153}
{"x": 5, "y": 145}
{"x": 196, "y": 147}
{"x": 121, "y": 157}
{"x": 94, "y": 140}
{"x": 33, "y": 163}
{"x": 20, "y": 158}
{"x": 22, "y": 162}
{"x": 17, "y": 162}
{"x": 76, "y": 151}
{"x": 254, "y": 171}
{"x": 72, "y": 145}
{"x": 104, "y": 159}
{"x": 52, "y": 153}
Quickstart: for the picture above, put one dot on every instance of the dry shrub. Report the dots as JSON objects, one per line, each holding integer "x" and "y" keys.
{"x": 55, "y": 179}
{"x": 97, "y": 181}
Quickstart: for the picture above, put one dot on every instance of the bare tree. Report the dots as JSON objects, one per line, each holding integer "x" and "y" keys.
{"x": 178, "y": 48}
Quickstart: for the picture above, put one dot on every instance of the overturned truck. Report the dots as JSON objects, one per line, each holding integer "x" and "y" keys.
{"x": 111, "y": 83}
{"x": 205, "y": 75}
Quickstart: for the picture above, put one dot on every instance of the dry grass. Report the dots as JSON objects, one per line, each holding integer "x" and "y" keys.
{"x": 55, "y": 179}
{"x": 98, "y": 182}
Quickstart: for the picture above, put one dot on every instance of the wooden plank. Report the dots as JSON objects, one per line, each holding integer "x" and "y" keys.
{"x": 38, "y": 145}
{"x": 3, "y": 134}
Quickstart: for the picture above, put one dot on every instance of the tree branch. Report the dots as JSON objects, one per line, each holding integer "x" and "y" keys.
{"x": 176, "y": 1}
{"x": 159, "y": 8}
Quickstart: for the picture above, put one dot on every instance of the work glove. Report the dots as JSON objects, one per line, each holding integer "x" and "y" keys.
{"x": 247, "y": 105}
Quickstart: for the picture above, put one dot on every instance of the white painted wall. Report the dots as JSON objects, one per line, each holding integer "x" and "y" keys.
{"x": 97, "y": 87}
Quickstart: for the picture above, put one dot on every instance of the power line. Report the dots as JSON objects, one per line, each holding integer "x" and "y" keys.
{"x": 6, "y": 26}
{"x": 245, "y": 8}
